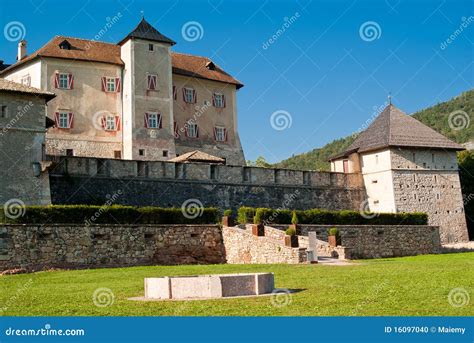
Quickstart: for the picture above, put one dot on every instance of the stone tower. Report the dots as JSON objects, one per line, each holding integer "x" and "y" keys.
{"x": 408, "y": 167}
{"x": 147, "y": 94}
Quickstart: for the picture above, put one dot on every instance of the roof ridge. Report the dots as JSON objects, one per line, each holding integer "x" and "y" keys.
{"x": 84, "y": 39}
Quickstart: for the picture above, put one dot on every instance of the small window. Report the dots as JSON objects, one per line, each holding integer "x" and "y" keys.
{"x": 165, "y": 153}
{"x": 63, "y": 81}
{"x": 4, "y": 111}
{"x": 141, "y": 152}
{"x": 26, "y": 80}
{"x": 424, "y": 164}
{"x": 192, "y": 130}
{"x": 151, "y": 82}
{"x": 218, "y": 100}
{"x": 63, "y": 120}
{"x": 110, "y": 123}
{"x": 189, "y": 95}
{"x": 110, "y": 83}
{"x": 117, "y": 154}
{"x": 69, "y": 152}
{"x": 150, "y": 47}
{"x": 374, "y": 181}
{"x": 376, "y": 202}
{"x": 220, "y": 134}
{"x": 153, "y": 120}
{"x": 213, "y": 172}
{"x": 376, "y": 159}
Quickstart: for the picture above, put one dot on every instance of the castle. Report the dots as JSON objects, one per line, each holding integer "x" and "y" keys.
{"x": 132, "y": 100}
{"x": 161, "y": 127}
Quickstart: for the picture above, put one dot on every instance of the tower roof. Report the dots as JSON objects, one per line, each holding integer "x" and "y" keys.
{"x": 144, "y": 30}
{"x": 395, "y": 128}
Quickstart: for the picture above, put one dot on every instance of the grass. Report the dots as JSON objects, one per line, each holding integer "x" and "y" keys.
{"x": 405, "y": 286}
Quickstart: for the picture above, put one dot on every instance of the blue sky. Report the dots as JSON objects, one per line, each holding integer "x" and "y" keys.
{"x": 334, "y": 63}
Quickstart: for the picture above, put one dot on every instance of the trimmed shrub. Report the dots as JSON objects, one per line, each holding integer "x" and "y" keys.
{"x": 228, "y": 213}
{"x": 245, "y": 215}
{"x": 294, "y": 218}
{"x": 326, "y": 217}
{"x": 290, "y": 231}
{"x": 115, "y": 214}
{"x": 333, "y": 232}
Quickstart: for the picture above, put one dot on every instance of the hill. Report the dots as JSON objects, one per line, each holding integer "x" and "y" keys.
{"x": 445, "y": 117}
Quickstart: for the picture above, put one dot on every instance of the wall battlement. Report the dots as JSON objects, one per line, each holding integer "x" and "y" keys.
{"x": 77, "y": 180}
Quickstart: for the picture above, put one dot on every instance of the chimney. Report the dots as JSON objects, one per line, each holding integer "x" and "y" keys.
{"x": 21, "y": 50}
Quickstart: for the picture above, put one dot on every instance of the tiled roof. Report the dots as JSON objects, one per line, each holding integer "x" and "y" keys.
{"x": 145, "y": 31}
{"x": 10, "y": 86}
{"x": 395, "y": 128}
{"x": 87, "y": 50}
{"x": 197, "y": 156}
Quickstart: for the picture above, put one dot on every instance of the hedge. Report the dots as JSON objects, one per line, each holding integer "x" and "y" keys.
{"x": 115, "y": 214}
{"x": 327, "y": 217}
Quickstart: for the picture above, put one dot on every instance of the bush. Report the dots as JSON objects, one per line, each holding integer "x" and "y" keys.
{"x": 333, "y": 232}
{"x": 326, "y": 217}
{"x": 294, "y": 218}
{"x": 245, "y": 215}
{"x": 115, "y": 214}
{"x": 228, "y": 213}
{"x": 290, "y": 231}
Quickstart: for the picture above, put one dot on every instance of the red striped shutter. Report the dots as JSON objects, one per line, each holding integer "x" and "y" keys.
{"x": 71, "y": 120}
{"x": 197, "y": 131}
{"x": 103, "y": 122}
{"x": 215, "y": 133}
{"x": 117, "y": 84}
{"x": 56, "y": 80}
{"x": 70, "y": 81}
{"x": 56, "y": 118}
{"x": 223, "y": 100}
{"x": 214, "y": 99}
{"x": 104, "y": 84}
{"x": 175, "y": 127}
{"x": 146, "y": 120}
{"x": 117, "y": 123}
{"x": 184, "y": 94}
{"x": 149, "y": 82}
{"x": 194, "y": 96}
{"x": 159, "y": 121}
{"x": 154, "y": 82}
{"x": 225, "y": 135}
{"x": 175, "y": 95}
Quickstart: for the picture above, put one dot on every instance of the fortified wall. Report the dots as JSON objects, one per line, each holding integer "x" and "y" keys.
{"x": 77, "y": 180}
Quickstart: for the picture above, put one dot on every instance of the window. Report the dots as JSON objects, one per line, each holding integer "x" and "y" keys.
{"x": 64, "y": 120}
{"x": 153, "y": 120}
{"x": 246, "y": 174}
{"x": 151, "y": 82}
{"x": 192, "y": 130}
{"x": 141, "y": 152}
{"x": 165, "y": 153}
{"x": 26, "y": 80}
{"x": 220, "y": 134}
{"x": 150, "y": 47}
{"x": 218, "y": 100}
{"x": 110, "y": 123}
{"x": 69, "y": 152}
{"x": 63, "y": 81}
{"x": 4, "y": 111}
{"x": 110, "y": 84}
{"x": 117, "y": 154}
{"x": 213, "y": 172}
{"x": 189, "y": 95}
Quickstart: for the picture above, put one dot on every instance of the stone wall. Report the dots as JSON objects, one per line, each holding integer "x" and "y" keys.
{"x": 86, "y": 181}
{"x": 241, "y": 247}
{"x": 376, "y": 241}
{"x": 36, "y": 247}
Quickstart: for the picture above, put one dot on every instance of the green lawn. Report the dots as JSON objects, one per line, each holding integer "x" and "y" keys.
{"x": 399, "y": 286}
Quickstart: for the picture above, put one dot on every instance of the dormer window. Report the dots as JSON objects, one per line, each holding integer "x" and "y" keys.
{"x": 210, "y": 65}
{"x": 65, "y": 45}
